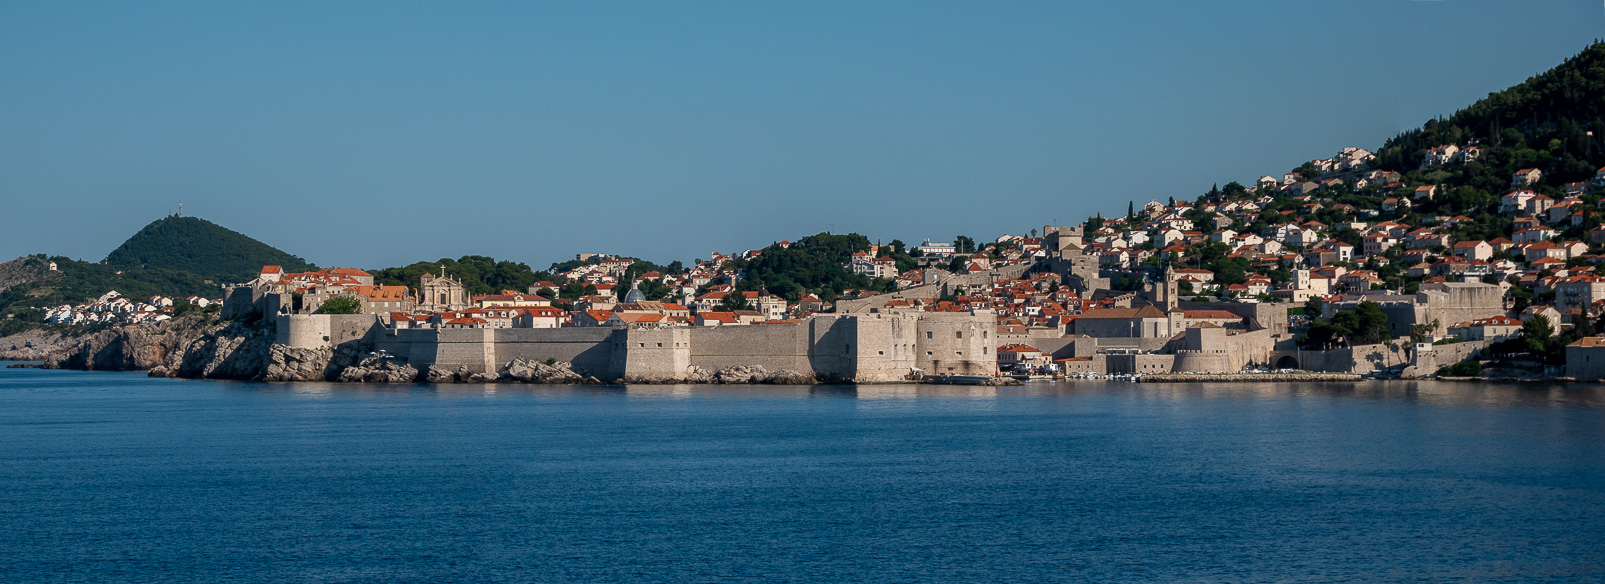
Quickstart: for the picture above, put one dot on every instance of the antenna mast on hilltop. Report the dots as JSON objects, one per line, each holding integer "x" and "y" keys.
{"x": 180, "y": 208}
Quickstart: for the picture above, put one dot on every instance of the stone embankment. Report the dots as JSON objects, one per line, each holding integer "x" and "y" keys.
{"x": 1247, "y": 377}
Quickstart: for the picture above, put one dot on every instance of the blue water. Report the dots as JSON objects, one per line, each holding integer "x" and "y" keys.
{"x": 115, "y": 477}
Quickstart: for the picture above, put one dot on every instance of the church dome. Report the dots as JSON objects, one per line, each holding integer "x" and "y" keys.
{"x": 634, "y": 295}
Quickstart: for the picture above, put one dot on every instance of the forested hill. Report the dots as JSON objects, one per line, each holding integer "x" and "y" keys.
{"x": 200, "y": 247}
{"x": 1541, "y": 123}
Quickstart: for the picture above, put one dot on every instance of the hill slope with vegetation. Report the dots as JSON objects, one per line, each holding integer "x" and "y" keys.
{"x": 816, "y": 263}
{"x": 200, "y": 247}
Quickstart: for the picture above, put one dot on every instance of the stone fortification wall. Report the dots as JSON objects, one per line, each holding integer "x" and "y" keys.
{"x": 862, "y": 347}
{"x": 1139, "y": 364}
{"x": 886, "y": 346}
{"x": 1203, "y": 362}
{"x": 313, "y": 331}
{"x": 238, "y": 301}
{"x": 774, "y": 347}
{"x": 653, "y": 355}
{"x": 590, "y": 350}
{"x": 1449, "y": 303}
{"x": 956, "y": 343}
{"x": 1096, "y": 364}
{"x": 881, "y": 346}
{"x": 1359, "y": 359}
{"x": 1245, "y": 348}
{"x": 1204, "y": 350}
{"x": 1428, "y": 358}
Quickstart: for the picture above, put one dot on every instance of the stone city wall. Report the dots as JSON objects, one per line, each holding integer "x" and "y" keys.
{"x": 1359, "y": 359}
{"x": 1139, "y": 364}
{"x": 771, "y": 346}
{"x": 879, "y": 346}
{"x": 323, "y": 330}
{"x": 1429, "y": 358}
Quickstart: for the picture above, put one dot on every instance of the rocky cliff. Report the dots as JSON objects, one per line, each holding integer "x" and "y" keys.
{"x": 190, "y": 346}
{"x": 200, "y": 347}
{"x": 31, "y": 345}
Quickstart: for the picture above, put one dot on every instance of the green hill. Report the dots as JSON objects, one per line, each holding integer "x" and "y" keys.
{"x": 1542, "y": 123}
{"x": 202, "y": 248}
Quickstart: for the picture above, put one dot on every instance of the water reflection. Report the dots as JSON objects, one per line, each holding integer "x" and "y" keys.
{"x": 1482, "y": 394}
{"x": 1558, "y": 395}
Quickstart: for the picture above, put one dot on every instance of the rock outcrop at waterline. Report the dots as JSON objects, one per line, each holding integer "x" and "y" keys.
{"x": 515, "y": 371}
{"x": 374, "y": 369}
{"x": 31, "y": 345}
{"x": 749, "y": 374}
{"x": 165, "y": 345}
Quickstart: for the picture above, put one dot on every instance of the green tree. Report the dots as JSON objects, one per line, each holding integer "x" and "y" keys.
{"x": 734, "y": 301}
{"x": 1583, "y": 328}
{"x": 1420, "y": 332}
{"x": 964, "y": 244}
{"x": 341, "y": 305}
{"x": 1313, "y": 306}
{"x": 1467, "y": 368}
{"x": 1537, "y": 334}
{"x": 1364, "y": 325}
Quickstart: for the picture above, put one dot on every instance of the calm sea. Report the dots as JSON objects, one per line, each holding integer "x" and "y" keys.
{"x": 115, "y": 477}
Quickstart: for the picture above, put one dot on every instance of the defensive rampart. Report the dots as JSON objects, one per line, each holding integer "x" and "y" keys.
{"x": 870, "y": 347}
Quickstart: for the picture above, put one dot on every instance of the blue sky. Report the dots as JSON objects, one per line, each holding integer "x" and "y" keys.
{"x": 379, "y": 134}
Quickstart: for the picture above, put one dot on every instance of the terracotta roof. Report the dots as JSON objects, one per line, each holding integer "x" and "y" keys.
{"x": 1123, "y": 313}
{"x": 1212, "y": 314}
